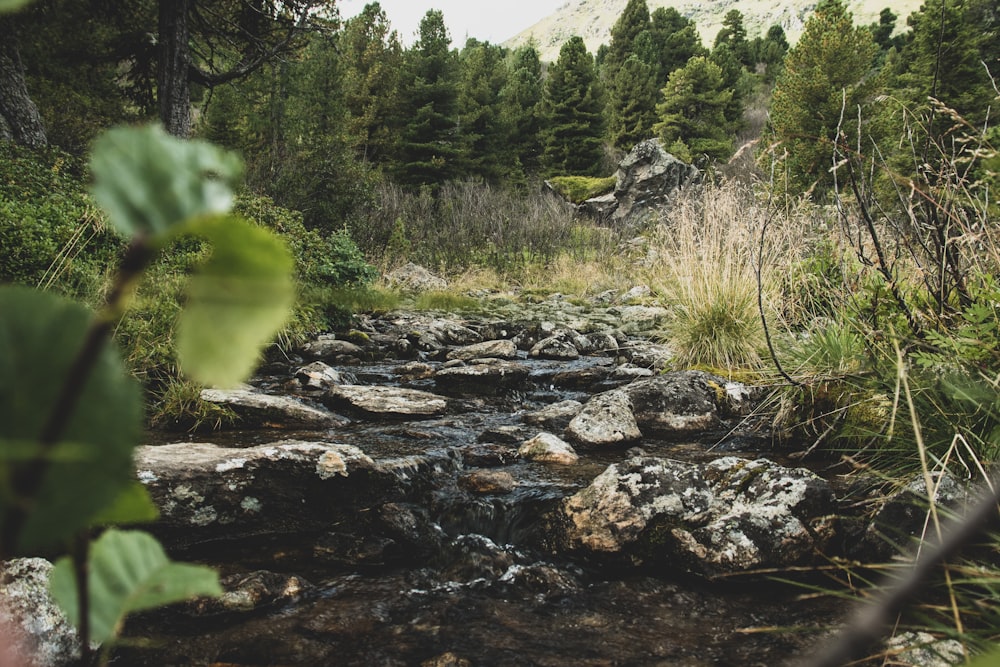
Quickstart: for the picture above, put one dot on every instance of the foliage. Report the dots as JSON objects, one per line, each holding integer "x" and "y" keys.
{"x": 827, "y": 77}
{"x": 52, "y": 234}
{"x": 520, "y": 100}
{"x": 445, "y": 301}
{"x": 66, "y": 465}
{"x": 693, "y": 110}
{"x": 486, "y": 134}
{"x": 578, "y": 189}
{"x": 573, "y": 109}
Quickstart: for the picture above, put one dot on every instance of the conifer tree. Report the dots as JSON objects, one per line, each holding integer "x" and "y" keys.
{"x": 826, "y": 78}
{"x": 484, "y": 126}
{"x": 674, "y": 40}
{"x": 522, "y": 99}
{"x": 632, "y": 114}
{"x": 429, "y": 151}
{"x": 692, "y": 114}
{"x": 734, "y": 35}
{"x": 633, "y": 20}
{"x": 371, "y": 58}
{"x": 573, "y": 113}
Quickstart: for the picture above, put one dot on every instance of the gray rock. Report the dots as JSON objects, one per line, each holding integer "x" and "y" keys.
{"x": 413, "y": 278}
{"x": 249, "y": 591}
{"x": 203, "y": 488}
{"x": 485, "y": 377}
{"x": 640, "y": 318}
{"x": 925, "y": 650}
{"x": 606, "y": 419}
{"x": 554, "y": 347}
{"x": 548, "y": 448}
{"x": 491, "y": 349}
{"x": 329, "y": 348}
{"x": 731, "y": 515}
{"x": 647, "y": 355}
{"x": 255, "y": 409}
{"x": 34, "y": 630}
{"x": 647, "y": 180}
{"x": 384, "y": 401}
{"x": 556, "y": 416}
{"x": 318, "y": 376}
{"x": 487, "y": 481}
{"x": 679, "y": 403}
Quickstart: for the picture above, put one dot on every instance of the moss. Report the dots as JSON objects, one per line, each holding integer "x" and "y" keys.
{"x": 357, "y": 337}
{"x": 578, "y": 189}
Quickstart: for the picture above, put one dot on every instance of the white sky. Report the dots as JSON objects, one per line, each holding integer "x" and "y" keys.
{"x": 487, "y": 20}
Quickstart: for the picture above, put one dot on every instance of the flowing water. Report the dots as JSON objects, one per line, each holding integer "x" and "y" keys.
{"x": 483, "y": 586}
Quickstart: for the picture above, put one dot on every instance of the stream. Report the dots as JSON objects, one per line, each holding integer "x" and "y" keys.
{"x": 481, "y": 584}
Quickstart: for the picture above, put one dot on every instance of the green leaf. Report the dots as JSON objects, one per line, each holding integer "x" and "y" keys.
{"x": 133, "y": 505}
{"x": 149, "y": 181}
{"x": 991, "y": 659}
{"x": 12, "y": 5}
{"x": 40, "y": 336}
{"x": 128, "y": 572}
{"x": 236, "y": 302}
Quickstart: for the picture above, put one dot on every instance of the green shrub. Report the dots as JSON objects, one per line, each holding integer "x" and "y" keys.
{"x": 445, "y": 301}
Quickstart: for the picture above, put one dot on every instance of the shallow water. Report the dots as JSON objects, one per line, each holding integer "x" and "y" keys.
{"x": 487, "y": 590}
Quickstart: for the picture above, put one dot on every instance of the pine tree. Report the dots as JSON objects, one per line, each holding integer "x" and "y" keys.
{"x": 430, "y": 150}
{"x": 633, "y": 112}
{"x": 485, "y": 132}
{"x": 692, "y": 114}
{"x": 827, "y": 77}
{"x": 734, "y": 35}
{"x": 522, "y": 99}
{"x": 371, "y": 59}
{"x": 573, "y": 113}
{"x": 633, "y": 20}
{"x": 674, "y": 40}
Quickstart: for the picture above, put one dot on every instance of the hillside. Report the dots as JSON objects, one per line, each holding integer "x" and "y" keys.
{"x": 592, "y": 19}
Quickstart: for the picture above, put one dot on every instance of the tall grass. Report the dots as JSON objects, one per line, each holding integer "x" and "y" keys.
{"x": 708, "y": 251}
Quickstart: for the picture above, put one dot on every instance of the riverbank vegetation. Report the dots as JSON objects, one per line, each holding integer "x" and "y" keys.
{"x": 841, "y": 249}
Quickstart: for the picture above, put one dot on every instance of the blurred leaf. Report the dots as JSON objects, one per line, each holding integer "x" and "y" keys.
{"x": 40, "y": 336}
{"x": 133, "y": 505}
{"x": 129, "y": 571}
{"x": 991, "y": 659}
{"x": 149, "y": 181}
{"x": 236, "y": 303}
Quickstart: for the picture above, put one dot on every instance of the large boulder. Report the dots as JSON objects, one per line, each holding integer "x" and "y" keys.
{"x": 606, "y": 419}
{"x": 731, "y": 515}
{"x": 680, "y": 403}
{"x": 648, "y": 179}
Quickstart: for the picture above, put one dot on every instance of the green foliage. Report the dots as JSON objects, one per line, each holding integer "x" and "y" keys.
{"x": 734, "y": 36}
{"x": 236, "y": 302}
{"x": 673, "y": 41}
{"x": 11, "y": 5}
{"x": 578, "y": 189}
{"x": 485, "y": 130}
{"x": 179, "y": 406}
{"x": 128, "y": 572}
{"x": 42, "y": 335}
{"x": 521, "y": 99}
{"x": 826, "y": 79}
{"x": 693, "y": 109}
{"x": 632, "y": 112}
{"x": 445, "y": 301}
{"x": 574, "y": 113}
{"x": 148, "y": 184}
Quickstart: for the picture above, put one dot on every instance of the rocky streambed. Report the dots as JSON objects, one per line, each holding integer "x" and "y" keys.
{"x": 489, "y": 491}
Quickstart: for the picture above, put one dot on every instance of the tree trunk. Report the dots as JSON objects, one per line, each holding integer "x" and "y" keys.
{"x": 23, "y": 122}
{"x": 173, "y": 84}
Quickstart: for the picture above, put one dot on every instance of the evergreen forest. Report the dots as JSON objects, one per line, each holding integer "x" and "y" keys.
{"x": 840, "y": 251}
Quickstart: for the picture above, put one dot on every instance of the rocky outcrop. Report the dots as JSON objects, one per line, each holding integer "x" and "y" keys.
{"x": 730, "y": 515}
{"x": 647, "y": 180}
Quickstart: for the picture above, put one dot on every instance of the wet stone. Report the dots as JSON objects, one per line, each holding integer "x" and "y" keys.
{"x": 488, "y": 377}
{"x": 318, "y": 376}
{"x": 606, "y": 419}
{"x": 556, "y": 416}
{"x": 326, "y": 348}
{"x": 548, "y": 448}
{"x": 249, "y": 591}
{"x": 492, "y": 349}
{"x": 389, "y": 402}
{"x": 487, "y": 481}
{"x": 258, "y": 410}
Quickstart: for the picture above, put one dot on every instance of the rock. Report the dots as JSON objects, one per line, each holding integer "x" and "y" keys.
{"x": 249, "y": 591}
{"x": 647, "y": 355}
{"x": 636, "y": 293}
{"x": 257, "y": 410}
{"x": 448, "y": 659}
{"x": 640, "y": 318}
{"x": 34, "y": 630}
{"x": 415, "y": 370}
{"x": 203, "y": 489}
{"x": 554, "y": 347}
{"x": 487, "y": 481}
{"x": 603, "y": 343}
{"x": 606, "y": 419}
{"x": 647, "y": 180}
{"x": 488, "y": 454}
{"x": 679, "y": 402}
{"x": 548, "y": 448}
{"x": 731, "y": 515}
{"x": 413, "y": 278}
{"x": 491, "y": 349}
{"x": 384, "y": 401}
{"x": 556, "y": 416}
{"x": 318, "y": 376}
{"x": 925, "y": 650}
{"x": 329, "y": 348}
{"x": 484, "y": 377}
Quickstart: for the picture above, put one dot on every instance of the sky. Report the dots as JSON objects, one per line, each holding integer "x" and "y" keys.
{"x": 487, "y": 20}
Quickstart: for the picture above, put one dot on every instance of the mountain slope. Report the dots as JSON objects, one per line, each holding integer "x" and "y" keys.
{"x": 592, "y": 19}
